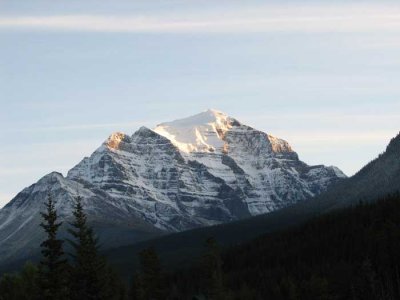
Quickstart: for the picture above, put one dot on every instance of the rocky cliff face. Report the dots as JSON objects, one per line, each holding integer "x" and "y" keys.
{"x": 199, "y": 171}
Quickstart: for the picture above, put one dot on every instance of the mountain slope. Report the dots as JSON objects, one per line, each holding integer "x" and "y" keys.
{"x": 376, "y": 180}
{"x": 273, "y": 175}
{"x": 203, "y": 170}
{"x": 20, "y": 233}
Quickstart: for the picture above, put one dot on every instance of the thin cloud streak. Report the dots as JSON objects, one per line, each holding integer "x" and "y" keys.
{"x": 341, "y": 18}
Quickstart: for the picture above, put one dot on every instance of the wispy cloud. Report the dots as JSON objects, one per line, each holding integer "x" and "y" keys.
{"x": 272, "y": 18}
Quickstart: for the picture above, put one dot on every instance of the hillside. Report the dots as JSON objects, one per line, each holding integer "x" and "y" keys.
{"x": 352, "y": 253}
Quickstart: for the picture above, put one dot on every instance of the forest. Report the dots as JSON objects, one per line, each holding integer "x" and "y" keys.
{"x": 352, "y": 253}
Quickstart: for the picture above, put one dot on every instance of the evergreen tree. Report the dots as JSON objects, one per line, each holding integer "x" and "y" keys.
{"x": 137, "y": 289}
{"x": 90, "y": 276}
{"x": 53, "y": 265}
{"x": 9, "y": 287}
{"x": 29, "y": 278}
{"x": 289, "y": 289}
{"x": 245, "y": 293}
{"x": 148, "y": 284}
{"x": 114, "y": 288}
{"x": 212, "y": 264}
{"x": 367, "y": 287}
{"x": 23, "y": 286}
{"x": 318, "y": 289}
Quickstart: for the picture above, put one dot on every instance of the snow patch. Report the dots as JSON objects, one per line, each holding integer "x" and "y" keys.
{"x": 199, "y": 133}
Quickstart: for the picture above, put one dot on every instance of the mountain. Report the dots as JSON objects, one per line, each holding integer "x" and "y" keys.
{"x": 199, "y": 171}
{"x": 20, "y": 234}
{"x": 376, "y": 180}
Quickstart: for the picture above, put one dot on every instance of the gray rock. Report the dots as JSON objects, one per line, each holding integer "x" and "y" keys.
{"x": 199, "y": 171}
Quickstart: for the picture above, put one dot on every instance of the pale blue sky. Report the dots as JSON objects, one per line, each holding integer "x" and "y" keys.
{"x": 323, "y": 75}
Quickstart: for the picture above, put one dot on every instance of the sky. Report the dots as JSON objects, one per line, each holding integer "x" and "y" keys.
{"x": 323, "y": 75}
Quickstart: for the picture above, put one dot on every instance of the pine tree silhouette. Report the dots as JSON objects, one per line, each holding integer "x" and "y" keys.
{"x": 53, "y": 265}
{"x": 89, "y": 273}
{"x": 148, "y": 284}
{"x": 212, "y": 264}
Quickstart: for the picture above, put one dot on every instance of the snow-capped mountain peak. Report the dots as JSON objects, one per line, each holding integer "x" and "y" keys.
{"x": 202, "y": 132}
{"x": 209, "y": 132}
{"x": 198, "y": 171}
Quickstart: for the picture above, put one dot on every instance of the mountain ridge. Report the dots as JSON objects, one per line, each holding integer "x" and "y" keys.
{"x": 180, "y": 250}
{"x": 208, "y": 169}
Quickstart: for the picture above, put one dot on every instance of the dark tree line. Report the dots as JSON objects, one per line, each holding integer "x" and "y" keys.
{"x": 85, "y": 276}
{"x": 349, "y": 254}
